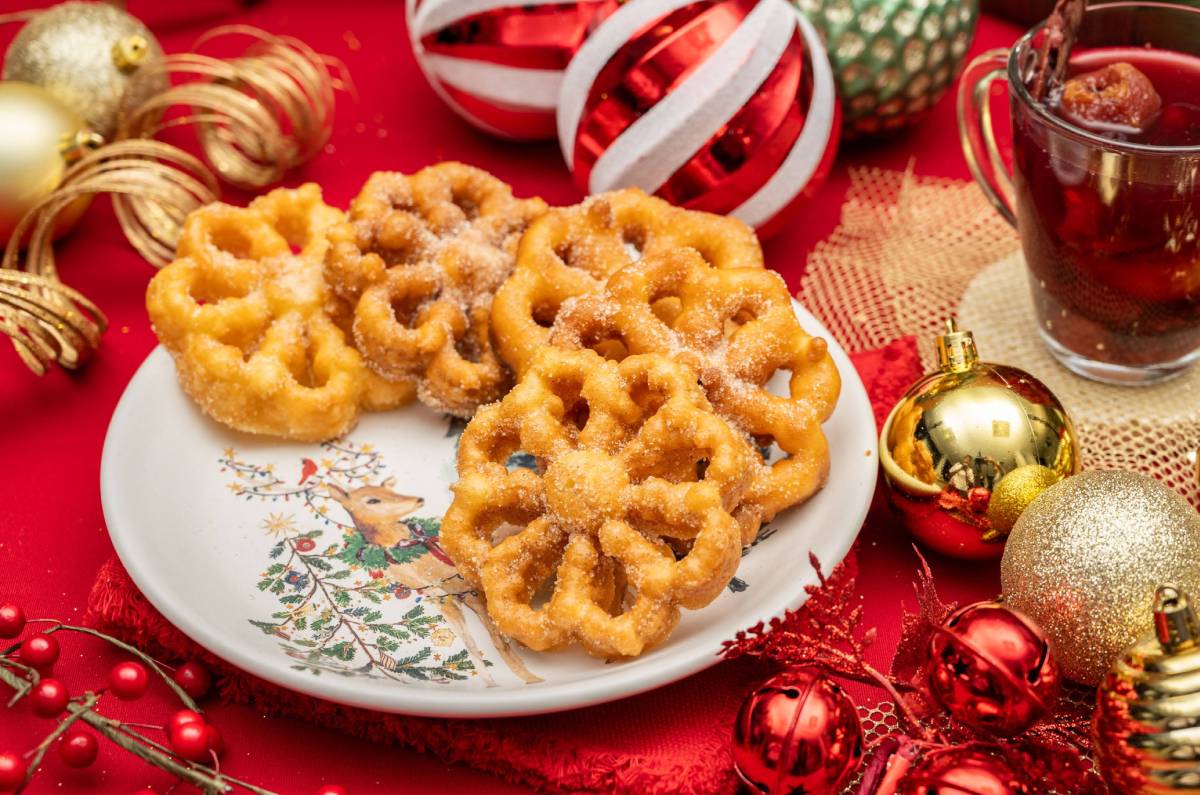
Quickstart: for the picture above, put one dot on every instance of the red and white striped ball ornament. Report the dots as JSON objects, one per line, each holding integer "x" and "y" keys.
{"x": 499, "y": 63}
{"x": 727, "y": 106}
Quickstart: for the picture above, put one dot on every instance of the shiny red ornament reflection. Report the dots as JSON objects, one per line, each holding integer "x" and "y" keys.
{"x": 962, "y": 771}
{"x": 523, "y": 44}
{"x": 760, "y": 135}
{"x": 797, "y": 733}
{"x": 992, "y": 669}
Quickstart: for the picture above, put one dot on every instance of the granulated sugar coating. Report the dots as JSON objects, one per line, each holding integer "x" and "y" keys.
{"x": 630, "y": 520}
{"x": 419, "y": 259}
{"x": 735, "y": 328}
{"x": 572, "y": 251}
{"x": 252, "y": 326}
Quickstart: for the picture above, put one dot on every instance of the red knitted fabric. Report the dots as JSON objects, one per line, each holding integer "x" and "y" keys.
{"x": 671, "y": 741}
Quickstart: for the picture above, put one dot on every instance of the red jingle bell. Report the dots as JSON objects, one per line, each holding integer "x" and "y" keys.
{"x": 962, "y": 771}
{"x": 797, "y": 733}
{"x": 992, "y": 669}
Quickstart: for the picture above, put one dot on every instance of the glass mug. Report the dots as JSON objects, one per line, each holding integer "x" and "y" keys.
{"x": 1109, "y": 228}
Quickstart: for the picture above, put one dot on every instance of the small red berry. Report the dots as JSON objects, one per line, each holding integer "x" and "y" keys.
{"x": 129, "y": 680}
{"x": 78, "y": 748}
{"x": 331, "y": 789}
{"x": 190, "y": 741}
{"x": 12, "y": 771}
{"x": 40, "y": 652}
{"x": 216, "y": 743}
{"x": 12, "y": 620}
{"x": 49, "y": 698}
{"x": 194, "y": 678}
{"x": 181, "y": 717}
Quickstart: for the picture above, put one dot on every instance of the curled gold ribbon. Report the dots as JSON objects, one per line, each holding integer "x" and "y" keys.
{"x": 153, "y": 186}
{"x": 257, "y": 115}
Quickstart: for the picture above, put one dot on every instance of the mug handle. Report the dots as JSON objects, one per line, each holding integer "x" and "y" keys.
{"x": 977, "y": 135}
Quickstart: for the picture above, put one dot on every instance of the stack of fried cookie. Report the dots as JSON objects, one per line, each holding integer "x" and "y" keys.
{"x": 641, "y": 339}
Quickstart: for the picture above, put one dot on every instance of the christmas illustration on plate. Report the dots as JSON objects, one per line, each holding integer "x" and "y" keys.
{"x": 361, "y": 584}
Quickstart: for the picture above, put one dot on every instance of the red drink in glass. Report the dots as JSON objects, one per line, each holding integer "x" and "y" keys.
{"x": 1109, "y": 214}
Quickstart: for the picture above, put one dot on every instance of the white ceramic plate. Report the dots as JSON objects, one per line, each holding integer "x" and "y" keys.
{"x": 242, "y": 544}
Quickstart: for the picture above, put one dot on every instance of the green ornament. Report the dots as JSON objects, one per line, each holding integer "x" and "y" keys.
{"x": 892, "y": 59}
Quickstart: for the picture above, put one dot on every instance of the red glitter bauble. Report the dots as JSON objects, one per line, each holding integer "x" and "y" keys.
{"x": 726, "y": 106}
{"x": 797, "y": 733}
{"x": 962, "y": 771}
{"x": 992, "y": 669}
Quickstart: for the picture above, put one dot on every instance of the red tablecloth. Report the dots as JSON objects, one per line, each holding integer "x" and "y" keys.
{"x": 52, "y": 536}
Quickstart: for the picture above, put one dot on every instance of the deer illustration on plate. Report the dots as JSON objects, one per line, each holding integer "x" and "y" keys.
{"x": 380, "y": 514}
{"x": 384, "y": 535}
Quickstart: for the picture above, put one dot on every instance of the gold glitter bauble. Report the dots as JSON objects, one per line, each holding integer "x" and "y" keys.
{"x": 1145, "y": 732}
{"x": 1086, "y": 556}
{"x": 956, "y": 434}
{"x": 91, "y": 56}
{"x": 39, "y": 136}
{"x": 1015, "y": 491}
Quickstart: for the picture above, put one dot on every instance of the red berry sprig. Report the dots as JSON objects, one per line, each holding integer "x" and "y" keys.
{"x": 191, "y": 743}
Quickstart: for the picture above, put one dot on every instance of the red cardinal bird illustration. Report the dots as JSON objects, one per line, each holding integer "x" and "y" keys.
{"x": 307, "y": 470}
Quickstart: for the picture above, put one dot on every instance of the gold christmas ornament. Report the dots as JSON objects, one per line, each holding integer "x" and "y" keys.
{"x": 1015, "y": 491}
{"x": 40, "y": 138}
{"x": 957, "y": 434}
{"x": 1146, "y": 730}
{"x": 91, "y": 56}
{"x": 1086, "y": 556}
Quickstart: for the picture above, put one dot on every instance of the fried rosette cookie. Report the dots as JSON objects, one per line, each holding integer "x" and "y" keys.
{"x": 246, "y": 314}
{"x": 572, "y": 251}
{"x": 419, "y": 259}
{"x": 633, "y": 464}
{"x": 736, "y": 328}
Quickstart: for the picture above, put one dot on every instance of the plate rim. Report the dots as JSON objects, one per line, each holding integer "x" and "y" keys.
{"x": 533, "y": 699}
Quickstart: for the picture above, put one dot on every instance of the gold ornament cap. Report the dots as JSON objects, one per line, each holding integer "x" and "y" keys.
{"x": 1175, "y": 622}
{"x": 956, "y": 351}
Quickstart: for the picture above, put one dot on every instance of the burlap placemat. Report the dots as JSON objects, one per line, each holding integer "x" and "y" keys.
{"x": 911, "y": 251}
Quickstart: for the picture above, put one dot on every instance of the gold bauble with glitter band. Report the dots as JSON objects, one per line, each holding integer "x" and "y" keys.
{"x": 1146, "y": 731}
{"x": 958, "y": 435}
{"x": 92, "y": 57}
{"x": 1086, "y": 556}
